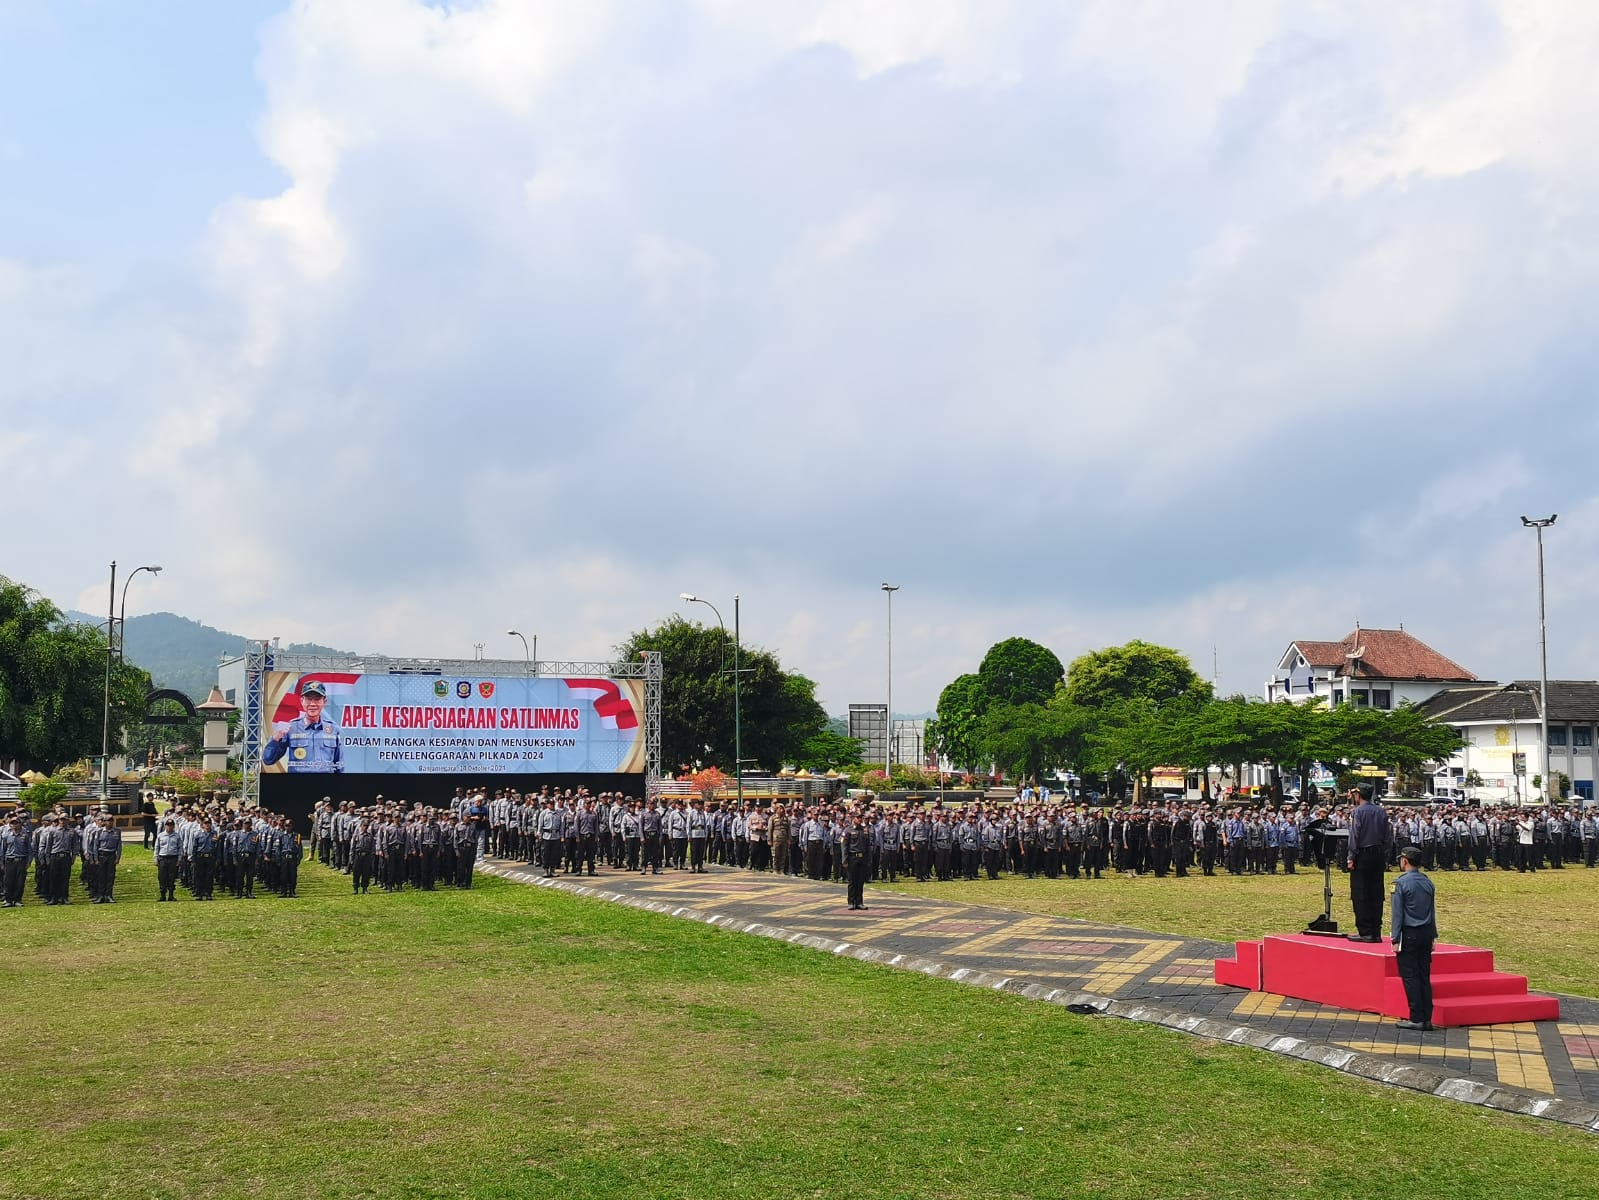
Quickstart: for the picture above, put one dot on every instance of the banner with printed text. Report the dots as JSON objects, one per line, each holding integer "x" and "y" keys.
{"x": 333, "y": 722}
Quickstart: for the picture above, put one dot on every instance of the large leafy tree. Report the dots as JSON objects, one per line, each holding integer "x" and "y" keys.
{"x": 1014, "y": 682}
{"x": 1137, "y": 671}
{"x": 780, "y": 710}
{"x": 52, "y": 685}
{"x": 961, "y": 707}
{"x": 1019, "y": 671}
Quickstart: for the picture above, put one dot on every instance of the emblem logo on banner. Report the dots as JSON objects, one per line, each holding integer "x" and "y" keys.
{"x": 486, "y": 688}
{"x": 441, "y": 688}
{"x": 464, "y": 689}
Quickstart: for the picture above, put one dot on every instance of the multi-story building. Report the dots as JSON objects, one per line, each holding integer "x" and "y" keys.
{"x": 1501, "y": 727}
{"x": 1383, "y": 668}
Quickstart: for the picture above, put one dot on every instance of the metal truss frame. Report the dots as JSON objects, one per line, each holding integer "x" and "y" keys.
{"x": 261, "y": 658}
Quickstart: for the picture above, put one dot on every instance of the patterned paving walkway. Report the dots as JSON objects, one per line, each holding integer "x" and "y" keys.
{"x": 1524, "y": 1065}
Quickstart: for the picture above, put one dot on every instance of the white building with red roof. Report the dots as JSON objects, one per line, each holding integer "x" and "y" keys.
{"x": 1383, "y": 668}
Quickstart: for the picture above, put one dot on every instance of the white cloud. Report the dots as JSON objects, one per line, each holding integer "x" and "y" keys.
{"x": 1215, "y": 326}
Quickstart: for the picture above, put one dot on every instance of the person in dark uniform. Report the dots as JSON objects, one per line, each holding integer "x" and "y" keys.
{"x": 1182, "y": 843}
{"x": 1159, "y": 843}
{"x": 468, "y": 840}
{"x": 857, "y": 843}
{"x": 1368, "y": 835}
{"x": 363, "y": 856}
{"x": 650, "y": 838}
{"x": 1414, "y": 930}
{"x": 147, "y": 816}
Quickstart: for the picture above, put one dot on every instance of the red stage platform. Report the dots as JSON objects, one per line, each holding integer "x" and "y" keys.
{"x": 1364, "y": 976}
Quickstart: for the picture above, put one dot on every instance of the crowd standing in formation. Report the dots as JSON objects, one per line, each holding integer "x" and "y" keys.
{"x": 395, "y": 846}
{"x": 1030, "y": 836}
{"x": 398, "y": 847}
{"x": 195, "y": 847}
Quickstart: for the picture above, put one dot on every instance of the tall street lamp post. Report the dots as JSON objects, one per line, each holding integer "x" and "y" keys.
{"x": 110, "y": 649}
{"x": 738, "y": 735}
{"x": 531, "y": 658}
{"x": 1540, "y": 525}
{"x": 888, "y": 738}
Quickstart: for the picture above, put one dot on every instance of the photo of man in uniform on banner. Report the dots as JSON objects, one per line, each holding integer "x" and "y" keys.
{"x": 309, "y": 744}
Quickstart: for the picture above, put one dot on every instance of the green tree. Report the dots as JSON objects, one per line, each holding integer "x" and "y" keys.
{"x": 961, "y": 706}
{"x": 1025, "y": 740}
{"x": 826, "y": 750}
{"x": 780, "y": 710}
{"x": 52, "y": 684}
{"x": 1137, "y": 671}
{"x": 1017, "y": 671}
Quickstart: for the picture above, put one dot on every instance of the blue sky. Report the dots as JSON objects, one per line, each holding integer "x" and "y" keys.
{"x": 125, "y": 125}
{"x": 393, "y": 326}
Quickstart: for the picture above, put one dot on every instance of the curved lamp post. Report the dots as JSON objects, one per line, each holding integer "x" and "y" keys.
{"x": 1540, "y": 524}
{"x": 531, "y": 657}
{"x": 738, "y": 738}
{"x": 122, "y": 619}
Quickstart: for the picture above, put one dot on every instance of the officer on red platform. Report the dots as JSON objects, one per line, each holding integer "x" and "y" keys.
{"x": 1368, "y": 837}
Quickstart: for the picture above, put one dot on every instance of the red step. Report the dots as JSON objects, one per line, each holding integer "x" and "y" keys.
{"x": 1493, "y": 1010}
{"x": 1451, "y": 960}
{"x": 1478, "y": 983}
{"x": 1364, "y": 976}
{"x": 1242, "y": 971}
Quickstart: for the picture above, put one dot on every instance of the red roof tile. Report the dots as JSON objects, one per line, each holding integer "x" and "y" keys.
{"x": 1384, "y": 654}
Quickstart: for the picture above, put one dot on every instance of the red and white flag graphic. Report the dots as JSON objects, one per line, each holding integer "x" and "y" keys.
{"x": 614, "y": 710}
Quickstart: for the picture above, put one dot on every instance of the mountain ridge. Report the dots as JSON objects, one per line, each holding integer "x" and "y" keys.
{"x": 182, "y": 653}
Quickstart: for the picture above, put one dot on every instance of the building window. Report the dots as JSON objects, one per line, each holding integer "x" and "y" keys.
{"x": 1582, "y": 735}
{"x": 1382, "y": 698}
{"x": 1557, "y": 735}
{"x": 1337, "y": 699}
{"x": 1584, "y": 789}
{"x": 1361, "y": 697}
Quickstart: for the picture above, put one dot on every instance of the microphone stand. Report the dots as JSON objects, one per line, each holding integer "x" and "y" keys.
{"x": 1324, "y": 925}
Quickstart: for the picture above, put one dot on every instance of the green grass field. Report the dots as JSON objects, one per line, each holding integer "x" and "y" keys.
{"x": 515, "y": 1041}
{"x": 1543, "y": 924}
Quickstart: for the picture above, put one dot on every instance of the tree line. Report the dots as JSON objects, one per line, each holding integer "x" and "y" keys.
{"x": 52, "y": 684}
{"x": 1117, "y": 714}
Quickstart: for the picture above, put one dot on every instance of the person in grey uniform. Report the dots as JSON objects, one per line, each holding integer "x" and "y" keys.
{"x": 699, "y": 831}
{"x": 16, "y": 851}
{"x": 1414, "y": 929}
{"x": 631, "y": 833}
{"x": 549, "y": 835}
{"x": 588, "y": 831}
{"x": 168, "y": 846}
